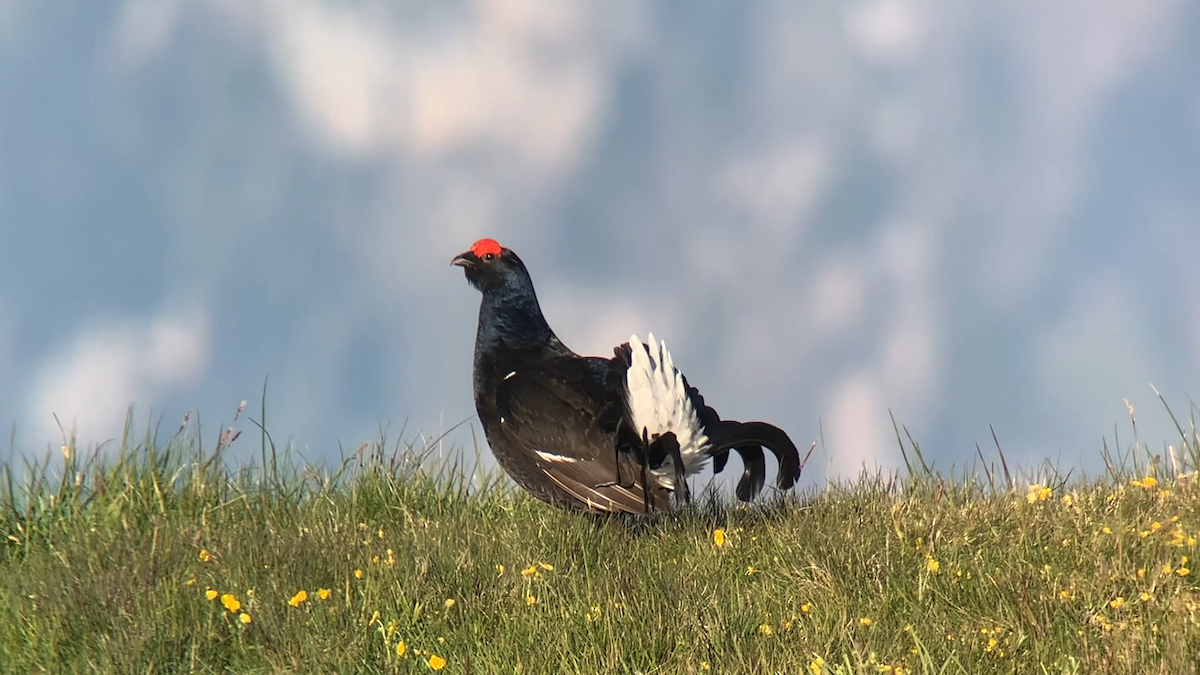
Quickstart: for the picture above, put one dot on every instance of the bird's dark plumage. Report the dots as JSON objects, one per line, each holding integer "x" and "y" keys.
{"x": 604, "y": 435}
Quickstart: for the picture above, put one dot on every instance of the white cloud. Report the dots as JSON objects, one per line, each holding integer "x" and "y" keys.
{"x": 143, "y": 30}
{"x": 91, "y": 383}
{"x": 1092, "y": 357}
{"x": 526, "y": 78}
{"x": 1068, "y": 58}
{"x": 775, "y": 188}
{"x": 888, "y": 32}
{"x": 593, "y": 324}
{"x": 857, "y": 431}
{"x": 839, "y": 288}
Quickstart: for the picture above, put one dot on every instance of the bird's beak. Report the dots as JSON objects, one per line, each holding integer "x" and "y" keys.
{"x": 467, "y": 259}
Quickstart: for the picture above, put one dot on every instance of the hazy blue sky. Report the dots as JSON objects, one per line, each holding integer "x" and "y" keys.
{"x": 969, "y": 213}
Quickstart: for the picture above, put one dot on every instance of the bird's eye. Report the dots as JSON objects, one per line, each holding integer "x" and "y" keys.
{"x": 489, "y": 256}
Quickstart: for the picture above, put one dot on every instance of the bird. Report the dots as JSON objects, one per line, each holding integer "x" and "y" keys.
{"x": 602, "y": 435}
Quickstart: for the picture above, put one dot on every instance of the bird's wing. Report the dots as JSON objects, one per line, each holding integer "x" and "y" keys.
{"x": 552, "y": 414}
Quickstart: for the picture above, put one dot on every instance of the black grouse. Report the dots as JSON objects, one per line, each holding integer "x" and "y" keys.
{"x": 604, "y": 435}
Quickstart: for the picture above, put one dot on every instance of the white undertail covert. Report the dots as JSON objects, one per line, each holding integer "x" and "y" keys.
{"x": 658, "y": 402}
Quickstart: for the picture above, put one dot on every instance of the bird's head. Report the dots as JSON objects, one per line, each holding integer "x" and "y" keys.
{"x": 490, "y": 267}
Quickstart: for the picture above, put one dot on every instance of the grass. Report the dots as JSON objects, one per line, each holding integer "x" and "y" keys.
{"x": 163, "y": 558}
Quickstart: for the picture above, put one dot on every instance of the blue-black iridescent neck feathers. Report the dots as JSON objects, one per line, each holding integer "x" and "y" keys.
{"x": 617, "y": 435}
{"x": 509, "y": 316}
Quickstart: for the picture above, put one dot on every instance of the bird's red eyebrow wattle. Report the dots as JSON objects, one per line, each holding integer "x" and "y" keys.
{"x": 485, "y": 246}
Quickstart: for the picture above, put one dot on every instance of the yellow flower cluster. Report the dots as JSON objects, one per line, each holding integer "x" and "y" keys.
{"x": 1038, "y": 493}
{"x": 231, "y": 603}
{"x": 1147, "y": 483}
{"x": 532, "y": 569}
{"x": 401, "y": 649}
{"x": 819, "y": 666}
{"x": 301, "y": 596}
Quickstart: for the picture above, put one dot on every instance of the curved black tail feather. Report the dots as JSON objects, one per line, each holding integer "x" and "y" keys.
{"x": 754, "y": 473}
{"x": 748, "y": 439}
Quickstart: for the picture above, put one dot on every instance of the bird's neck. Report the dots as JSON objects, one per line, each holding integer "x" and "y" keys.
{"x": 513, "y": 323}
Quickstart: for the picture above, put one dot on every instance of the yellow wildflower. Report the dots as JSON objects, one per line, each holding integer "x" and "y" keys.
{"x": 211, "y": 594}
{"x": 357, "y": 574}
{"x": 205, "y": 556}
{"x": 1037, "y": 493}
{"x": 298, "y": 598}
{"x": 806, "y": 607}
{"x": 750, "y": 570}
{"x": 546, "y": 566}
{"x": 231, "y": 603}
{"x": 1068, "y": 500}
{"x": 323, "y": 593}
{"x": 765, "y": 629}
{"x": 374, "y": 618}
{"x": 436, "y": 662}
{"x": 244, "y": 617}
{"x": 401, "y": 648}
{"x": 865, "y": 621}
{"x": 718, "y": 536}
{"x": 449, "y": 603}
{"x": 932, "y": 566}
{"x": 1183, "y": 571}
{"x": 1117, "y": 602}
{"x": 530, "y": 600}
{"x": 817, "y": 665}
{"x": 1106, "y": 529}
{"x": 190, "y": 582}
{"x": 529, "y": 571}
{"x": 499, "y": 571}
{"x": 1146, "y": 597}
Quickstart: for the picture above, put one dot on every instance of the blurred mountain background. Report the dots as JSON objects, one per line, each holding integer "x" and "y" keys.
{"x": 968, "y": 214}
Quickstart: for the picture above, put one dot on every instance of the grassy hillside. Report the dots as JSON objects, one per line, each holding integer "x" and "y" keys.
{"x": 162, "y": 559}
